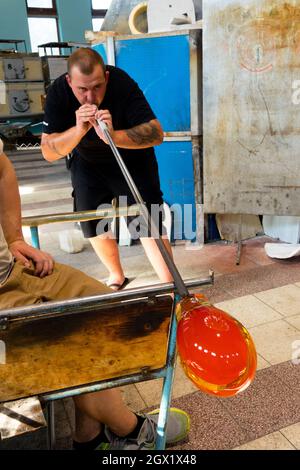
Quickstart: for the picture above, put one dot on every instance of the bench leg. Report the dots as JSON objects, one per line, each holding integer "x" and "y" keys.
{"x": 51, "y": 425}
{"x": 34, "y": 232}
{"x": 167, "y": 387}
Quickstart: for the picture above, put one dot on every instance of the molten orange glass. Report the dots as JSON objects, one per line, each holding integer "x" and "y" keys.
{"x": 216, "y": 351}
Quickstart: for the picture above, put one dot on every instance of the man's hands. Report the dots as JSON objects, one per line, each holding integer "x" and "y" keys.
{"x": 143, "y": 135}
{"x": 24, "y": 253}
{"x": 105, "y": 116}
{"x": 85, "y": 116}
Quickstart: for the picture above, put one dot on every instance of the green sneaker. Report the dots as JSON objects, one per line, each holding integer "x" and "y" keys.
{"x": 177, "y": 429}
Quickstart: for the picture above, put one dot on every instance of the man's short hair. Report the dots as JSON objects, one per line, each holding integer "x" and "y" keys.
{"x": 86, "y": 60}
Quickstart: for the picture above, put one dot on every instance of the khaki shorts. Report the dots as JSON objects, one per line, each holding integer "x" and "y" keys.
{"x": 24, "y": 288}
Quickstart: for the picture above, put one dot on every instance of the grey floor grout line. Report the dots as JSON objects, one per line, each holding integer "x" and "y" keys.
{"x": 286, "y": 320}
{"x": 288, "y": 439}
{"x": 270, "y": 306}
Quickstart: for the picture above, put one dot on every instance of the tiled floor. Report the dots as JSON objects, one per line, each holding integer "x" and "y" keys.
{"x": 264, "y": 294}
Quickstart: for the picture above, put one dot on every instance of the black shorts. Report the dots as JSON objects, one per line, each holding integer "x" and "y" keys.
{"x": 95, "y": 186}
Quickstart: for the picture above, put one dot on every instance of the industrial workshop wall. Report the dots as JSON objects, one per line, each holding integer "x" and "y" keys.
{"x": 251, "y": 106}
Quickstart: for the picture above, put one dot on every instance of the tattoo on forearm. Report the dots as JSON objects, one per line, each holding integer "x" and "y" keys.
{"x": 144, "y": 134}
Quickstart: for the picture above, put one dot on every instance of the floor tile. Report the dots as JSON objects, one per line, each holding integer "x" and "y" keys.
{"x": 261, "y": 278}
{"x": 221, "y": 258}
{"x": 255, "y": 251}
{"x": 249, "y": 310}
{"x": 64, "y": 443}
{"x": 266, "y": 406}
{"x": 62, "y": 429}
{"x": 212, "y": 427}
{"x": 258, "y": 242}
{"x": 182, "y": 384}
{"x": 285, "y": 300}
{"x": 70, "y": 412}
{"x": 274, "y": 441}
{"x": 132, "y": 398}
{"x": 289, "y": 374}
{"x": 292, "y": 433}
{"x": 262, "y": 363}
{"x": 214, "y": 293}
{"x": 295, "y": 321}
{"x": 151, "y": 391}
{"x": 274, "y": 341}
{"x": 33, "y": 441}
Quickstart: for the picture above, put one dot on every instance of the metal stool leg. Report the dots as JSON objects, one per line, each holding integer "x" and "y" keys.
{"x": 51, "y": 425}
{"x": 34, "y": 231}
{"x": 167, "y": 386}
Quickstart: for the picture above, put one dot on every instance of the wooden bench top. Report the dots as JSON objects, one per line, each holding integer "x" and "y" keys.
{"x": 69, "y": 351}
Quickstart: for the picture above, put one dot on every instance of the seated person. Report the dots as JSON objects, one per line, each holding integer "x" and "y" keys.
{"x": 30, "y": 276}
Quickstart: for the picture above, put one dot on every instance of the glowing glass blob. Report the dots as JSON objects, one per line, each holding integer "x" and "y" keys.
{"x": 216, "y": 351}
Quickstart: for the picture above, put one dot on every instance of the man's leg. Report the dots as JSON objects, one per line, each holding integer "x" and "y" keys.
{"x": 106, "y": 407}
{"x": 156, "y": 258}
{"x": 107, "y": 250}
{"x": 86, "y": 428}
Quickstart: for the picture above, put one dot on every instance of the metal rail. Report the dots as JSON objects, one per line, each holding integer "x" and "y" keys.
{"x": 82, "y": 216}
{"x": 103, "y": 301}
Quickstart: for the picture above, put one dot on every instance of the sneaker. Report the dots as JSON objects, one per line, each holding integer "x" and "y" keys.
{"x": 177, "y": 429}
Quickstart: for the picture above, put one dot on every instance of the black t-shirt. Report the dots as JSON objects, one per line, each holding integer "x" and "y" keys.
{"x": 126, "y": 103}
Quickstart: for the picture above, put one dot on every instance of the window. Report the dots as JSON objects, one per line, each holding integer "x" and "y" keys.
{"x": 39, "y": 4}
{"x": 42, "y": 22}
{"x": 42, "y": 30}
{"x": 41, "y": 8}
{"x": 99, "y": 9}
{"x": 97, "y": 23}
{"x": 99, "y": 4}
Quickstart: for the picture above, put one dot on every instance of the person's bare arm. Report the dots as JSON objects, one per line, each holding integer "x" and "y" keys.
{"x": 10, "y": 206}
{"x": 58, "y": 145}
{"x": 144, "y": 135}
{"x": 10, "y": 218}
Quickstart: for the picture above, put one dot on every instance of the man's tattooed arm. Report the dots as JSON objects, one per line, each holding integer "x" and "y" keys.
{"x": 141, "y": 136}
{"x": 145, "y": 134}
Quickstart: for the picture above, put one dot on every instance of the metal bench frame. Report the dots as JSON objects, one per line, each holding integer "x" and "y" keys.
{"x": 51, "y": 309}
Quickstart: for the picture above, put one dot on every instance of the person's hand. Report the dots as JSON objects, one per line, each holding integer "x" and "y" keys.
{"x": 23, "y": 252}
{"x": 105, "y": 116}
{"x": 84, "y": 115}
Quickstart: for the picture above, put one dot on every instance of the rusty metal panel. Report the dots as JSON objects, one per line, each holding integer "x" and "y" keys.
{"x": 252, "y": 106}
{"x": 55, "y": 354}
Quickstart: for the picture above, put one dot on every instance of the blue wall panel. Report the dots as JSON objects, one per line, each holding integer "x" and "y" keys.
{"x": 177, "y": 183}
{"x": 160, "y": 65}
{"x": 101, "y": 49}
